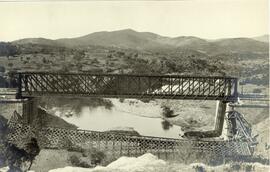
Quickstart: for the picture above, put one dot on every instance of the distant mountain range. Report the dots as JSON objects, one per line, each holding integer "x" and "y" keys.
{"x": 150, "y": 41}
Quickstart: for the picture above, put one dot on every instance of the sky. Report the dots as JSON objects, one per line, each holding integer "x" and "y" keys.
{"x": 210, "y": 19}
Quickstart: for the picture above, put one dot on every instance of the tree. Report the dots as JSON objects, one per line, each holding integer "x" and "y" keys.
{"x": 7, "y": 49}
{"x": 12, "y": 155}
{"x": 257, "y": 90}
{"x": 10, "y": 64}
{"x": 2, "y": 69}
{"x": 44, "y": 60}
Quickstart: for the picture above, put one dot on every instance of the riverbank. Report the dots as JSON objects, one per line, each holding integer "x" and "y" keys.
{"x": 189, "y": 115}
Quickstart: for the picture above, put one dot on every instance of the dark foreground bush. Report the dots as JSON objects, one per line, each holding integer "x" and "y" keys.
{"x": 95, "y": 155}
{"x": 90, "y": 158}
{"x": 77, "y": 162}
{"x": 12, "y": 155}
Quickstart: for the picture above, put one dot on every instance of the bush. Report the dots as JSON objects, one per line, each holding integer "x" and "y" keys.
{"x": 166, "y": 125}
{"x": 77, "y": 162}
{"x": 13, "y": 156}
{"x": 96, "y": 102}
{"x": 249, "y": 168}
{"x": 199, "y": 168}
{"x": 2, "y": 69}
{"x": 10, "y": 64}
{"x": 235, "y": 167}
{"x": 74, "y": 160}
{"x": 7, "y": 49}
{"x": 95, "y": 155}
{"x": 257, "y": 90}
{"x": 121, "y": 100}
{"x": 167, "y": 112}
{"x": 145, "y": 100}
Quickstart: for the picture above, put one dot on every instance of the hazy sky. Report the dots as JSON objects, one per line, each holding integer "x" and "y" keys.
{"x": 203, "y": 18}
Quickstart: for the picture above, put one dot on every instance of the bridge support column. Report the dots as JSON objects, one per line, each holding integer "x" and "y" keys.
{"x": 220, "y": 117}
{"x": 219, "y": 122}
{"x": 30, "y": 110}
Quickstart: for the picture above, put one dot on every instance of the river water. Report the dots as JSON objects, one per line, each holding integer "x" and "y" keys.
{"x": 101, "y": 119}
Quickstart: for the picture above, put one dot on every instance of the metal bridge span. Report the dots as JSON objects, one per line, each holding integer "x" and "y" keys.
{"x": 117, "y": 145}
{"x": 34, "y": 84}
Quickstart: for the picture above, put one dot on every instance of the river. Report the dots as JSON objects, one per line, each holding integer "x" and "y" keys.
{"x": 101, "y": 119}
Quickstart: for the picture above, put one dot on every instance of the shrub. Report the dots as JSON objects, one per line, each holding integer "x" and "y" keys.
{"x": 235, "y": 167}
{"x": 146, "y": 100}
{"x": 13, "y": 156}
{"x": 257, "y": 90}
{"x": 166, "y": 125}
{"x": 44, "y": 60}
{"x": 74, "y": 160}
{"x": 110, "y": 56}
{"x": 249, "y": 168}
{"x": 167, "y": 112}
{"x": 2, "y": 69}
{"x": 77, "y": 162}
{"x": 10, "y": 64}
{"x": 199, "y": 168}
{"x": 7, "y": 49}
{"x": 95, "y": 155}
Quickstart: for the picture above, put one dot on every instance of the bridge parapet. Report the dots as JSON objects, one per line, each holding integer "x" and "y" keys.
{"x": 34, "y": 84}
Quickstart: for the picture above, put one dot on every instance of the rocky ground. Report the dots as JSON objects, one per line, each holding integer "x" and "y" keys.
{"x": 59, "y": 161}
{"x": 150, "y": 163}
{"x": 262, "y": 129}
{"x": 144, "y": 163}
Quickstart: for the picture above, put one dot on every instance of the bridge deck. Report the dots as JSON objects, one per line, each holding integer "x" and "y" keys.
{"x": 127, "y": 86}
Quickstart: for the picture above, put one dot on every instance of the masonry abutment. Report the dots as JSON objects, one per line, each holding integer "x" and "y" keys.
{"x": 30, "y": 110}
{"x": 220, "y": 117}
{"x": 218, "y": 126}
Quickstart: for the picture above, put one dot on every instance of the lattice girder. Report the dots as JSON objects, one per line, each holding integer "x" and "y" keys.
{"x": 127, "y": 86}
{"x": 121, "y": 144}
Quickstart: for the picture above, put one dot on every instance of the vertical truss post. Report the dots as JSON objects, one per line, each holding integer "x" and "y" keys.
{"x": 19, "y": 89}
{"x": 235, "y": 93}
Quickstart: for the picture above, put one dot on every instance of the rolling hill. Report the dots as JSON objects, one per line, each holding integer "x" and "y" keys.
{"x": 130, "y": 39}
{"x": 263, "y": 38}
{"x": 129, "y": 51}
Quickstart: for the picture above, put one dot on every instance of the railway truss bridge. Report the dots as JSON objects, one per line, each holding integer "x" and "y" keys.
{"x": 31, "y": 85}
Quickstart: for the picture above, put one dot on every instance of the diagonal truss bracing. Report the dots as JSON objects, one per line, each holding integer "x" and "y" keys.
{"x": 127, "y": 86}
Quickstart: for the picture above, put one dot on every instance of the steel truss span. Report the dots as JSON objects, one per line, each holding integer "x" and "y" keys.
{"x": 127, "y": 86}
{"x": 124, "y": 144}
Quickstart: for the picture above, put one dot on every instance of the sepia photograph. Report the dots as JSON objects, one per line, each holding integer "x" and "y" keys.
{"x": 134, "y": 86}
